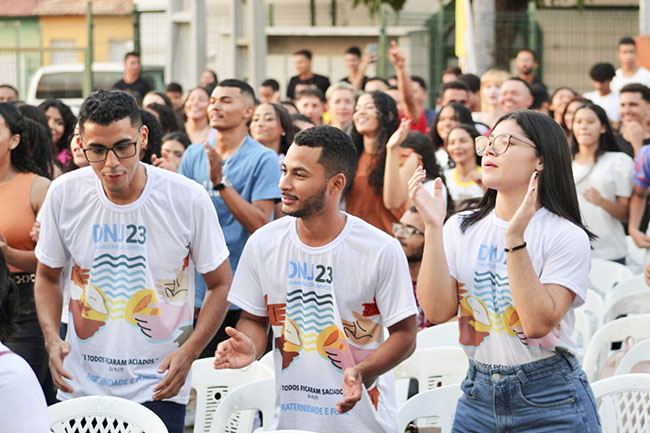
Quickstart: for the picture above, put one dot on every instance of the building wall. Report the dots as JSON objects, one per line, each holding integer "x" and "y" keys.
{"x": 74, "y": 28}
{"x": 17, "y": 61}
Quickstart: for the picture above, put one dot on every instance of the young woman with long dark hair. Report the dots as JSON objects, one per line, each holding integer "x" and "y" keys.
{"x": 513, "y": 269}
{"x": 604, "y": 178}
{"x": 375, "y": 119}
{"x": 61, "y": 121}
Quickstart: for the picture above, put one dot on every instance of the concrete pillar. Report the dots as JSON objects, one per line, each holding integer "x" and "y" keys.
{"x": 186, "y": 42}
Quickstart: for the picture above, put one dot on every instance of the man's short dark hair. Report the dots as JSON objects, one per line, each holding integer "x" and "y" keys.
{"x": 472, "y": 82}
{"x": 377, "y": 79}
{"x": 273, "y": 84}
{"x": 297, "y": 117}
{"x": 9, "y": 86}
{"x": 311, "y": 92}
{"x": 602, "y": 72}
{"x": 131, "y": 54}
{"x": 540, "y": 96}
{"x": 530, "y": 89}
{"x": 104, "y": 107}
{"x": 458, "y": 85}
{"x": 453, "y": 70}
{"x": 305, "y": 53}
{"x": 637, "y": 88}
{"x": 338, "y": 154}
{"x": 243, "y": 86}
{"x": 174, "y": 88}
{"x": 528, "y": 50}
{"x": 355, "y": 51}
{"x": 420, "y": 81}
{"x": 626, "y": 41}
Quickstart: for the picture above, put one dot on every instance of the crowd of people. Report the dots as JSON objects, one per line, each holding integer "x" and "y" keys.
{"x": 142, "y": 235}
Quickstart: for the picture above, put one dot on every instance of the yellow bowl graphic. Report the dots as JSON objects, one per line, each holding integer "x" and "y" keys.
{"x": 94, "y": 303}
{"x": 139, "y": 304}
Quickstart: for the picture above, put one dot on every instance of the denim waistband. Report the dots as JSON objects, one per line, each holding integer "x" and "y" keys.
{"x": 561, "y": 361}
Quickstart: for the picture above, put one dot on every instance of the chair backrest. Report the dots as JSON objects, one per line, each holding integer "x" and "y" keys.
{"x": 605, "y": 274}
{"x": 445, "y": 334}
{"x": 635, "y": 258}
{"x": 594, "y": 306}
{"x": 638, "y": 353}
{"x": 631, "y": 296}
{"x": 624, "y": 403}
{"x": 258, "y": 395}
{"x": 104, "y": 414}
{"x": 581, "y": 332}
{"x": 617, "y": 330}
{"x": 212, "y": 386}
{"x": 267, "y": 360}
{"x": 439, "y": 402}
{"x": 434, "y": 367}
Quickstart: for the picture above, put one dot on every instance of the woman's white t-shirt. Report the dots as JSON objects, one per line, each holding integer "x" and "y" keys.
{"x": 612, "y": 176}
{"x": 490, "y": 328}
{"x": 461, "y": 190}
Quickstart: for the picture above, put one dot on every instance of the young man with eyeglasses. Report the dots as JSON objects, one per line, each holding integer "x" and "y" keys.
{"x": 328, "y": 283}
{"x": 409, "y": 231}
{"x": 134, "y": 234}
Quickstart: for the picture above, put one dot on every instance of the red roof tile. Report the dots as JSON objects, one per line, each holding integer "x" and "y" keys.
{"x": 78, "y": 7}
{"x": 22, "y": 8}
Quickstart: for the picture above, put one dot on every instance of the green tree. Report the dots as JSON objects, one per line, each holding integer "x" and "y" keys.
{"x": 374, "y": 5}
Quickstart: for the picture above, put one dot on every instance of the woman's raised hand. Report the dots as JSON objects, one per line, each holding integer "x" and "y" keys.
{"x": 432, "y": 208}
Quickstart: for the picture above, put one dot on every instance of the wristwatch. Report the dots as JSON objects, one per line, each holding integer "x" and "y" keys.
{"x": 223, "y": 184}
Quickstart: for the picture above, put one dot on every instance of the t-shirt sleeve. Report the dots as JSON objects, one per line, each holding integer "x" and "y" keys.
{"x": 186, "y": 164}
{"x": 567, "y": 262}
{"x": 50, "y": 249}
{"x": 624, "y": 175}
{"x": 267, "y": 179}
{"x": 246, "y": 290}
{"x": 450, "y": 238}
{"x": 394, "y": 295}
{"x": 208, "y": 245}
{"x": 642, "y": 168}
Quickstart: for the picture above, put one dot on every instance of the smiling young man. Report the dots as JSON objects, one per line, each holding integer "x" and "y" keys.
{"x": 240, "y": 175}
{"x": 328, "y": 283}
{"x": 133, "y": 234}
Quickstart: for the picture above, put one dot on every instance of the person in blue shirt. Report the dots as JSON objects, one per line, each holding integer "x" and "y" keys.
{"x": 240, "y": 175}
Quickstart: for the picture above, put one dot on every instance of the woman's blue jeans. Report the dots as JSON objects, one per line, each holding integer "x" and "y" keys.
{"x": 549, "y": 395}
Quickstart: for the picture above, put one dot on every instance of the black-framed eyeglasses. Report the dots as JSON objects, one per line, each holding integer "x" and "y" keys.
{"x": 500, "y": 143}
{"x": 405, "y": 231}
{"x": 122, "y": 150}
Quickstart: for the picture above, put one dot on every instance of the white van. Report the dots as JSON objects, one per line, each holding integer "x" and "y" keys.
{"x": 65, "y": 82}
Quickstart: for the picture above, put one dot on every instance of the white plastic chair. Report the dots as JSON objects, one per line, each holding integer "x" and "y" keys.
{"x": 594, "y": 306}
{"x": 432, "y": 368}
{"x": 605, "y": 274}
{"x": 631, "y": 296}
{"x": 638, "y": 353}
{"x": 290, "y": 431}
{"x": 445, "y": 334}
{"x": 581, "y": 332}
{"x": 258, "y": 395}
{"x": 616, "y": 330}
{"x": 439, "y": 402}
{"x": 212, "y": 386}
{"x": 267, "y": 360}
{"x": 636, "y": 257}
{"x": 624, "y": 403}
{"x": 104, "y": 414}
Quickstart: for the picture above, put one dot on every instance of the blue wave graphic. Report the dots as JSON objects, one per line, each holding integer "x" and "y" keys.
{"x": 490, "y": 273}
{"x": 117, "y": 294}
{"x": 309, "y": 297}
{"x": 305, "y": 323}
{"x": 311, "y": 315}
{"x": 113, "y": 271}
{"x": 129, "y": 289}
{"x": 299, "y": 307}
{"x": 114, "y": 265}
{"x": 492, "y": 280}
{"x": 121, "y": 256}
{"x": 121, "y": 279}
